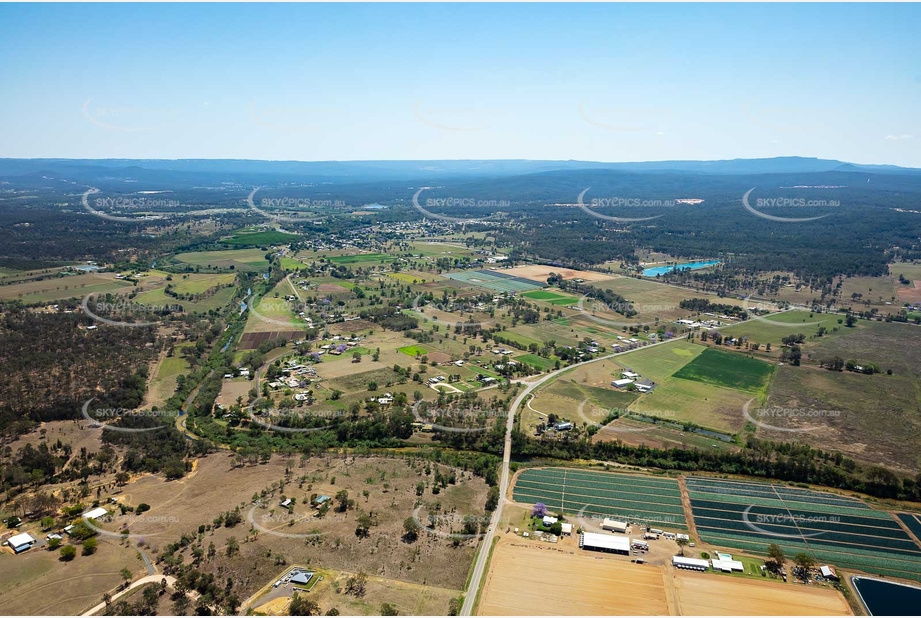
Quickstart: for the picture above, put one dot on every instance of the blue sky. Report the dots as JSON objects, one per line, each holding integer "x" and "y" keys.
{"x": 447, "y": 81}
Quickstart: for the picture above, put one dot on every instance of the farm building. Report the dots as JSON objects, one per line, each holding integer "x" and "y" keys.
{"x": 95, "y": 513}
{"x": 565, "y": 426}
{"x": 602, "y": 542}
{"x": 287, "y": 502}
{"x": 20, "y": 542}
{"x": 624, "y": 383}
{"x": 567, "y": 529}
{"x": 645, "y": 386}
{"x": 693, "y": 564}
{"x": 829, "y": 573}
{"x": 727, "y": 566}
{"x": 614, "y": 526}
{"x": 549, "y": 521}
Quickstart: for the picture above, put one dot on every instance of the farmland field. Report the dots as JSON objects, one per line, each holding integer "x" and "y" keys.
{"x": 772, "y": 330}
{"x": 832, "y": 528}
{"x": 413, "y": 350}
{"x": 537, "y": 361}
{"x": 240, "y": 259}
{"x": 727, "y": 369}
{"x": 640, "y": 499}
{"x": 63, "y": 287}
{"x": 540, "y": 272}
{"x": 913, "y": 522}
{"x": 845, "y": 408}
{"x": 704, "y": 595}
{"x": 361, "y": 257}
{"x": 581, "y": 585}
{"x": 219, "y": 291}
{"x": 492, "y": 280}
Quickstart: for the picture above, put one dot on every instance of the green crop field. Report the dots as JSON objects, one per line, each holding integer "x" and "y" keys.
{"x": 541, "y": 295}
{"x": 832, "y": 528}
{"x": 595, "y": 495}
{"x": 536, "y": 361}
{"x": 728, "y": 369}
{"x": 413, "y": 350}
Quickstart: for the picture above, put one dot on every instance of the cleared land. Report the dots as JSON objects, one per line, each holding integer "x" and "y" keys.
{"x": 703, "y": 594}
{"x": 873, "y": 418}
{"x": 209, "y": 291}
{"x": 543, "y": 581}
{"x": 62, "y": 287}
{"x": 540, "y": 272}
{"x": 240, "y": 259}
{"x": 37, "y": 583}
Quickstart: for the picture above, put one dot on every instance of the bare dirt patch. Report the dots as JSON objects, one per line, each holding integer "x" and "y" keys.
{"x": 911, "y": 293}
{"x": 541, "y": 579}
{"x": 705, "y": 594}
{"x": 438, "y": 357}
{"x": 539, "y": 272}
{"x": 332, "y": 288}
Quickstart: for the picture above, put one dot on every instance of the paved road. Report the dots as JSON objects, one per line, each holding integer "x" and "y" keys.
{"x": 479, "y": 567}
{"x": 149, "y": 579}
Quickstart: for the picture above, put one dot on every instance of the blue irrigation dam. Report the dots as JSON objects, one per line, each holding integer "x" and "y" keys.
{"x": 661, "y": 270}
{"x": 882, "y": 598}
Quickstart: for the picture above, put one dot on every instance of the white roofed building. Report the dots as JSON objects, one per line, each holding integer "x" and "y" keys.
{"x": 20, "y": 542}
{"x": 95, "y": 513}
{"x": 603, "y": 542}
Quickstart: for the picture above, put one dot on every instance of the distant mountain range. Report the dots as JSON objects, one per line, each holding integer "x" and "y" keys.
{"x": 363, "y": 171}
